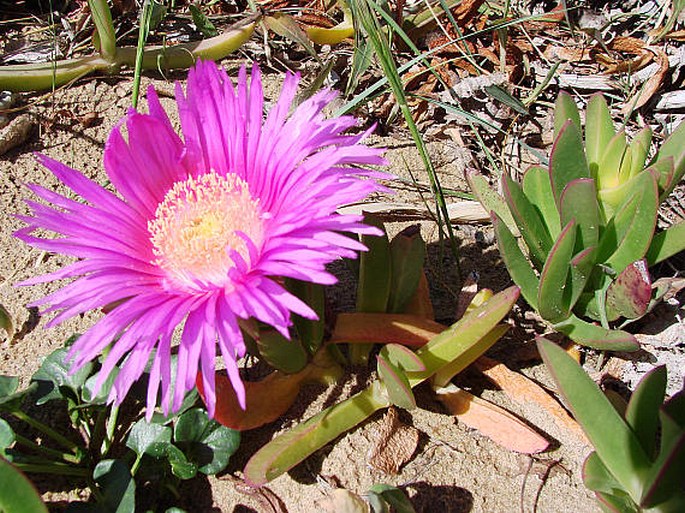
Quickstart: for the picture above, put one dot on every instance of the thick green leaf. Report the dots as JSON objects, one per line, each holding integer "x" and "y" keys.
{"x": 629, "y": 233}
{"x": 580, "y": 272}
{"x": 7, "y": 437}
{"x": 53, "y": 375}
{"x": 202, "y": 22}
{"x": 408, "y": 252}
{"x": 621, "y": 503}
{"x": 639, "y": 148}
{"x": 667, "y": 243}
{"x": 8, "y": 385}
{"x": 310, "y": 332}
{"x": 117, "y": 487}
{"x": 567, "y": 161}
{"x": 596, "y": 476}
{"x": 592, "y": 335}
{"x": 148, "y": 438}
{"x": 393, "y": 496}
{"x": 630, "y": 293}
{"x": 565, "y": 109}
{"x": 205, "y": 442}
{"x": 673, "y": 146}
{"x": 665, "y": 480}
{"x": 180, "y": 466}
{"x": 403, "y": 357}
{"x": 17, "y": 494}
{"x": 642, "y": 414}
{"x": 538, "y": 189}
{"x": 614, "y": 441}
{"x": 533, "y": 229}
{"x": 88, "y": 391}
{"x": 553, "y": 301}
{"x": 106, "y": 34}
{"x": 374, "y": 271}
{"x": 518, "y": 266}
{"x": 579, "y": 203}
{"x": 599, "y": 129}
{"x": 492, "y": 201}
{"x": 609, "y": 171}
{"x": 285, "y": 355}
{"x": 396, "y": 384}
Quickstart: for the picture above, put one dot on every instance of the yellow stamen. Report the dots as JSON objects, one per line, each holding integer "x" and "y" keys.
{"x": 194, "y": 229}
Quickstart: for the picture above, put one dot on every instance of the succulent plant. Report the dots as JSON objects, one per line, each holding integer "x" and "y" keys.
{"x": 639, "y": 456}
{"x": 588, "y": 223}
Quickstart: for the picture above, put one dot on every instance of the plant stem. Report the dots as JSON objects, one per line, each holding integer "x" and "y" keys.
{"x": 46, "y": 430}
{"x": 53, "y": 468}
{"x": 109, "y": 430}
{"x": 69, "y": 458}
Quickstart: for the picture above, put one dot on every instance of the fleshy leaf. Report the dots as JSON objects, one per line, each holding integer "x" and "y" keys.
{"x": 642, "y": 414}
{"x": 407, "y": 252}
{"x": 53, "y": 375}
{"x": 310, "y": 332}
{"x": 597, "y": 477}
{"x": 581, "y": 270}
{"x": 538, "y": 189}
{"x": 405, "y": 329}
{"x": 608, "y": 174}
{"x": 630, "y": 293}
{"x": 393, "y": 496}
{"x": 565, "y": 109}
{"x": 530, "y": 223}
{"x": 599, "y": 129}
{"x": 567, "y": 161}
{"x": 285, "y": 355}
{"x": 614, "y": 441}
{"x": 118, "y": 489}
{"x": 205, "y": 442}
{"x": 396, "y": 384}
{"x": 579, "y": 203}
{"x": 17, "y": 494}
{"x": 403, "y": 357}
{"x": 673, "y": 146}
{"x": 492, "y": 201}
{"x": 7, "y": 437}
{"x": 639, "y": 150}
{"x": 148, "y": 438}
{"x": 553, "y": 300}
{"x": 592, "y": 335}
{"x": 667, "y": 243}
{"x": 519, "y": 268}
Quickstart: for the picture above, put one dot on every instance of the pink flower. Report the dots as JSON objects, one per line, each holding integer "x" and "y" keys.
{"x": 202, "y": 229}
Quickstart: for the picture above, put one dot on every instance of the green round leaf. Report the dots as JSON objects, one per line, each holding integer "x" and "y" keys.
{"x": 117, "y": 486}
{"x": 148, "y": 438}
{"x": 7, "y": 437}
{"x": 17, "y": 494}
{"x": 180, "y": 466}
{"x": 205, "y": 442}
{"x": 53, "y": 375}
{"x": 8, "y": 385}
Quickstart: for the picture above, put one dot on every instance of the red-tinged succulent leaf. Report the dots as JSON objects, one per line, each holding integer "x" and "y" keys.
{"x": 581, "y": 269}
{"x": 405, "y": 329}
{"x": 640, "y": 149}
{"x": 396, "y": 384}
{"x": 293, "y": 446}
{"x": 629, "y": 233}
{"x": 281, "y": 353}
{"x": 673, "y": 146}
{"x": 567, "y": 161}
{"x": 492, "y": 421}
{"x": 533, "y": 229}
{"x": 609, "y": 171}
{"x": 667, "y": 243}
{"x": 599, "y": 129}
{"x": 630, "y": 293}
{"x": 492, "y": 201}
{"x": 615, "y": 442}
{"x": 266, "y": 400}
{"x": 538, "y": 189}
{"x": 401, "y": 356}
{"x": 420, "y": 304}
{"x": 407, "y": 253}
{"x": 642, "y": 413}
{"x": 553, "y": 300}
{"x": 579, "y": 203}
{"x": 596, "y": 476}
{"x": 518, "y": 266}
{"x": 664, "y": 171}
{"x": 592, "y": 335}
{"x": 565, "y": 109}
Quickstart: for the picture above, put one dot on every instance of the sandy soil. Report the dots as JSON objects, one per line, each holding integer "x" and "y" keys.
{"x": 454, "y": 469}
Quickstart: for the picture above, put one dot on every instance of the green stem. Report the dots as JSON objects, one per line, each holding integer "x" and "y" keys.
{"x": 47, "y": 430}
{"x": 53, "y": 468}
{"x": 109, "y": 430}
{"x": 69, "y": 458}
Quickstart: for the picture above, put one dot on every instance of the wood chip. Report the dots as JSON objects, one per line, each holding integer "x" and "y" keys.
{"x": 15, "y": 133}
{"x": 394, "y": 444}
{"x": 652, "y": 85}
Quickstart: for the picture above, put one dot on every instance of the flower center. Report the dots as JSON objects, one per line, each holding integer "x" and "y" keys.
{"x": 200, "y": 223}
